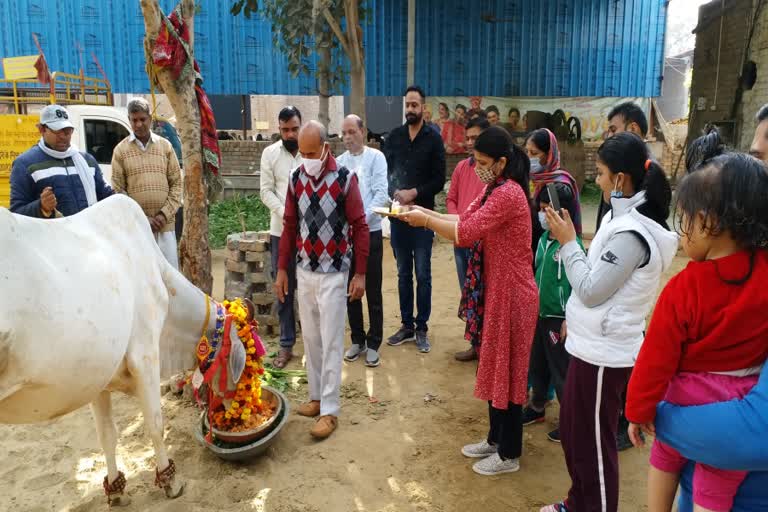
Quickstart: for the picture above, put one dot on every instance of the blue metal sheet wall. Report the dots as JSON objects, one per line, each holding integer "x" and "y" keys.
{"x": 483, "y": 47}
{"x": 540, "y": 48}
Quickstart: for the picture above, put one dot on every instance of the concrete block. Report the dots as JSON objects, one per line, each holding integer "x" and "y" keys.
{"x": 253, "y": 246}
{"x": 263, "y": 298}
{"x": 237, "y": 290}
{"x": 236, "y": 266}
{"x": 259, "y": 277}
{"x": 235, "y": 255}
{"x": 232, "y": 241}
{"x": 261, "y": 257}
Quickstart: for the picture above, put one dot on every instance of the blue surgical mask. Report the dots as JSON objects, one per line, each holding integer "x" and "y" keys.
{"x": 536, "y": 165}
{"x": 616, "y": 193}
{"x": 543, "y": 221}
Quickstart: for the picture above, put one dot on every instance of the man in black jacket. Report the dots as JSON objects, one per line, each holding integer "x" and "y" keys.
{"x": 416, "y": 173}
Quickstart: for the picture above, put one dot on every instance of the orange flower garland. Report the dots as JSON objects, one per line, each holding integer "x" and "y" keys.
{"x": 247, "y": 409}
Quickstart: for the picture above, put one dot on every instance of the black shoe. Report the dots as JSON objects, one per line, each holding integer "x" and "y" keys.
{"x": 422, "y": 342}
{"x": 531, "y": 416}
{"x": 402, "y": 335}
{"x": 623, "y": 442}
{"x": 554, "y": 436}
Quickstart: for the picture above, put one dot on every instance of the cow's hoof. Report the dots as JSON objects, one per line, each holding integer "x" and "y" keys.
{"x": 175, "y": 488}
{"x": 120, "y": 501}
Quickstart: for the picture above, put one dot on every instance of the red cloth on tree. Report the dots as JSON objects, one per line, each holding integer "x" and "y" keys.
{"x": 172, "y": 50}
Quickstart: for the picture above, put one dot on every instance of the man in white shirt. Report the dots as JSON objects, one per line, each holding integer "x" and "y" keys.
{"x": 277, "y": 162}
{"x": 370, "y": 165}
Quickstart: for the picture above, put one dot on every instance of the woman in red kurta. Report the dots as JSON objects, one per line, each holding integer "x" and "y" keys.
{"x": 500, "y": 299}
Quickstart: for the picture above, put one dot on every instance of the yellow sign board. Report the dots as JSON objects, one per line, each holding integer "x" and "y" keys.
{"x": 15, "y": 68}
{"x": 17, "y": 134}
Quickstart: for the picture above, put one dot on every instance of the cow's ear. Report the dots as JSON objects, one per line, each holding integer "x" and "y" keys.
{"x": 251, "y": 307}
{"x": 237, "y": 356}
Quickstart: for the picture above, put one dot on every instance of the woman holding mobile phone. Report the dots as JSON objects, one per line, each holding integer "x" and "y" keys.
{"x": 614, "y": 288}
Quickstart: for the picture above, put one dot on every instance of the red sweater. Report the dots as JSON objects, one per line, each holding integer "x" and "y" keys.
{"x": 465, "y": 187}
{"x": 702, "y": 324}
{"x": 355, "y": 217}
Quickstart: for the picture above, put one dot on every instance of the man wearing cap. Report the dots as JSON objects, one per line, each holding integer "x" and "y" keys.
{"x": 54, "y": 178}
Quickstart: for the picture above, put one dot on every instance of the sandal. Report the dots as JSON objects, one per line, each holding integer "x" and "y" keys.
{"x": 282, "y": 359}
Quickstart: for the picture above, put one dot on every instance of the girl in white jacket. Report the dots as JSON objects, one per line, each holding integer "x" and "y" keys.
{"x": 613, "y": 291}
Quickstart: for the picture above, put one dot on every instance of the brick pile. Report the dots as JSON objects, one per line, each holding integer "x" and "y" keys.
{"x": 249, "y": 275}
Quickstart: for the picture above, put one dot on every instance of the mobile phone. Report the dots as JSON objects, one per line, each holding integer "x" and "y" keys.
{"x": 554, "y": 200}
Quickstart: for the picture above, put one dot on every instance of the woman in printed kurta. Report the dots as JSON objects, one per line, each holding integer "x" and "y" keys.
{"x": 500, "y": 299}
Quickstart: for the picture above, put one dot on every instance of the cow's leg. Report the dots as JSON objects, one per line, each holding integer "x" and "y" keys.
{"x": 107, "y": 433}
{"x": 147, "y": 380}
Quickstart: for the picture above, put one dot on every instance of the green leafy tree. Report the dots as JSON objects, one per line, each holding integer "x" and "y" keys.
{"x": 298, "y": 26}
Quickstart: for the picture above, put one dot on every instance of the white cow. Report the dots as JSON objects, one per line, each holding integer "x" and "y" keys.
{"x": 88, "y": 305}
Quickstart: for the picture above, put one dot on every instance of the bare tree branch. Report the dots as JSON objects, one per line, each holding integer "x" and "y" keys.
{"x": 151, "y": 11}
{"x": 339, "y": 33}
{"x": 188, "y": 15}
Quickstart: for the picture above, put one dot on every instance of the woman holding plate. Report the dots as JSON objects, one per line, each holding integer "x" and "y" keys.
{"x": 499, "y": 301}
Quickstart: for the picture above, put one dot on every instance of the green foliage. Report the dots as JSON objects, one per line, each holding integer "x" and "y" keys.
{"x": 591, "y": 193}
{"x": 233, "y": 216}
{"x": 297, "y": 31}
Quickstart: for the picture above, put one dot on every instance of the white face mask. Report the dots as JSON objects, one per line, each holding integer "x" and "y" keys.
{"x": 543, "y": 221}
{"x": 313, "y": 167}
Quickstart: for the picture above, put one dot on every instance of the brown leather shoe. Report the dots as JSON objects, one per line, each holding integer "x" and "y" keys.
{"x": 324, "y": 427}
{"x": 309, "y": 409}
{"x": 282, "y": 359}
{"x": 466, "y": 355}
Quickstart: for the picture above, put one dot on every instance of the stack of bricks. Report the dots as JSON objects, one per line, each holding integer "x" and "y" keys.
{"x": 249, "y": 275}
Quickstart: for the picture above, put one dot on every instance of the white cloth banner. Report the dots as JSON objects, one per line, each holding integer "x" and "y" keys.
{"x": 591, "y": 111}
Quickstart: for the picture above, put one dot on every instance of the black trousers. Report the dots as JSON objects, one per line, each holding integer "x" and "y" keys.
{"x": 506, "y": 432}
{"x": 549, "y": 361}
{"x": 372, "y": 296}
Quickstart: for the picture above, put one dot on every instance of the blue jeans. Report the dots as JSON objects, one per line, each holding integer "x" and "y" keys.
{"x": 461, "y": 255}
{"x": 412, "y": 248}
{"x": 285, "y": 311}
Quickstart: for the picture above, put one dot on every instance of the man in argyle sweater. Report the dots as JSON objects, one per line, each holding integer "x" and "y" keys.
{"x": 324, "y": 221}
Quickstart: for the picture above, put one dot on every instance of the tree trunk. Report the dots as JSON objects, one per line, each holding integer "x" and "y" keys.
{"x": 195, "y": 253}
{"x": 357, "y": 92}
{"x": 356, "y": 57}
{"x": 323, "y": 85}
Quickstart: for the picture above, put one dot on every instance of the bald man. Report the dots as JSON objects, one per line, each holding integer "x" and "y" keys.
{"x": 324, "y": 222}
{"x": 370, "y": 166}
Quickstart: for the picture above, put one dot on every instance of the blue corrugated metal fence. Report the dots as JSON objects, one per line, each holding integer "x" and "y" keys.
{"x": 483, "y": 47}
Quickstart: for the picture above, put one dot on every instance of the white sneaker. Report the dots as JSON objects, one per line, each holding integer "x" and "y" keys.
{"x": 478, "y": 450}
{"x": 353, "y": 352}
{"x": 494, "y": 465}
{"x": 372, "y": 358}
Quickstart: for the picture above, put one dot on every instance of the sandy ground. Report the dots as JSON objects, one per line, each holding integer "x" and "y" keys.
{"x": 400, "y": 454}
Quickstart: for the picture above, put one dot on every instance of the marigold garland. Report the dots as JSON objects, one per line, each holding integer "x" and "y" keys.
{"x": 247, "y": 410}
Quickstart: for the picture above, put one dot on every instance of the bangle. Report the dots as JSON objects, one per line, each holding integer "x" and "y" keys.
{"x": 426, "y": 224}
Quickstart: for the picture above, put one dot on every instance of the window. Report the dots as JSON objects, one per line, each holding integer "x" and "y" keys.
{"x": 101, "y": 137}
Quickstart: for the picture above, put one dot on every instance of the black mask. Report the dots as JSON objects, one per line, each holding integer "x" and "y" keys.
{"x": 412, "y": 118}
{"x": 290, "y": 145}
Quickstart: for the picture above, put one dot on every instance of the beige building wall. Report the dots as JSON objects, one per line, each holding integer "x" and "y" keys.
{"x": 264, "y": 110}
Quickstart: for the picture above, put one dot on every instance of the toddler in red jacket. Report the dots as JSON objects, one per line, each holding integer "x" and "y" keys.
{"x": 708, "y": 337}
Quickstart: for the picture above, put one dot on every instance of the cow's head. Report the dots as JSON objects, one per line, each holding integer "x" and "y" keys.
{"x": 235, "y": 361}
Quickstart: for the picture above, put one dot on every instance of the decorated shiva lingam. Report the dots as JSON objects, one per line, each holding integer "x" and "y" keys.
{"x": 240, "y": 412}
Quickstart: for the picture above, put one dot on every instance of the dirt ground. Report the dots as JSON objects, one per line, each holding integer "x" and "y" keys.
{"x": 399, "y": 454}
